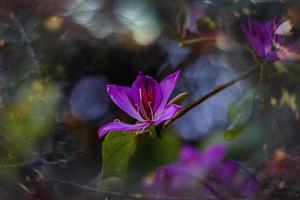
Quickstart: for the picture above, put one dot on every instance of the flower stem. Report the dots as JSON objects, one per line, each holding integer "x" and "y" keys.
{"x": 211, "y": 93}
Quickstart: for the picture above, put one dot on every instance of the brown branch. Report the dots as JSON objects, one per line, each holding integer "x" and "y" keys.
{"x": 211, "y": 93}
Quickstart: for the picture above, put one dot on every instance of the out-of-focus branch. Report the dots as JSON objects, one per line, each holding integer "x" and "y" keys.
{"x": 41, "y": 160}
{"x": 212, "y": 93}
{"x": 192, "y": 56}
{"x": 118, "y": 195}
{"x": 28, "y": 48}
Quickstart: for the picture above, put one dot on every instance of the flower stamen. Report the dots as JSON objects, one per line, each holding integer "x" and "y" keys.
{"x": 117, "y": 120}
{"x": 151, "y": 110}
{"x": 140, "y": 95}
{"x": 141, "y": 130}
{"x": 137, "y": 109}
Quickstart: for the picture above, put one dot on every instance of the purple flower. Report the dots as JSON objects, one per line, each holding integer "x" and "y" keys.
{"x": 192, "y": 14}
{"x": 196, "y": 173}
{"x": 146, "y": 101}
{"x": 197, "y": 23}
{"x": 267, "y": 40}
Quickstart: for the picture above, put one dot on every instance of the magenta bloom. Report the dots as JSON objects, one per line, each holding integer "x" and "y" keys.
{"x": 268, "y": 40}
{"x": 146, "y": 101}
{"x": 198, "y": 173}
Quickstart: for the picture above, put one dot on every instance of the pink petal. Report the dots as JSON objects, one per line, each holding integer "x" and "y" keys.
{"x": 289, "y": 52}
{"x": 167, "y": 86}
{"x": 121, "y": 97}
{"x": 284, "y": 29}
{"x": 271, "y": 27}
{"x": 168, "y": 113}
{"x": 120, "y": 126}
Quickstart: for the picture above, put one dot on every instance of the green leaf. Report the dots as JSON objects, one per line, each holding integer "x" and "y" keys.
{"x": 153, "y": 153}
{"x": 239, "y": 114}
{"x": 179, "y": 99}
{"x": 117, "y": 149}
{"x": 111, "y": 184}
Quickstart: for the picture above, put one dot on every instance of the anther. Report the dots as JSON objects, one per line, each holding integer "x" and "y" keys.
{"x": 140, "y": 94}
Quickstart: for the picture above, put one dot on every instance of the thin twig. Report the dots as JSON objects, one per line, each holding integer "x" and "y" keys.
{"x": 211, "y": 93}
{"x": 28, "y": 48}
{"x": 5, "y": 166}
{"x": 191, "y": 56}
{"x": 115, "y": 194}
{"x": 43, "y": 161}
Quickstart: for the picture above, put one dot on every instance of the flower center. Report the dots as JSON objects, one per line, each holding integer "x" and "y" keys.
{"x": 145, "y": 108}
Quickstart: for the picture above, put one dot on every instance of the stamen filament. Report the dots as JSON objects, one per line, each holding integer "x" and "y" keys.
{"x": 137, "y": 109}
{"x": 141, "y": 130}
{"x": 151, "y": 110}
{"x": 140, "y": 94}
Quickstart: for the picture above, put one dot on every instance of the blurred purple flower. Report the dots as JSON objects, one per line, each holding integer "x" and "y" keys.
{"x": 192, "y": 14}
{"x": 146, "y": 101}
{"x": 197, "y": 172}
{"x": 268, "y": 40}
{"x": 87, "y": 100}
{"x": 196, "y": 23}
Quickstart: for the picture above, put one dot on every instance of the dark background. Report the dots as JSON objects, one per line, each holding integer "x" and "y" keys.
{"x": 57, "y": 56}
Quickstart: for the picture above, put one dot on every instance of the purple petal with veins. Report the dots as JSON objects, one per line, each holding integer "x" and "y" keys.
{"x": 167, "y": 113}
{"x": 120, "y": 126}
{"x": 167, "y": 86}
{"x": 121, "y": 97}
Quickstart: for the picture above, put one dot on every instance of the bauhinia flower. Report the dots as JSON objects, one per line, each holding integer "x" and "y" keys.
{"x": 269, "y": 40}
{"x": 198, "y": 173}
{"x": 146, "y": 101}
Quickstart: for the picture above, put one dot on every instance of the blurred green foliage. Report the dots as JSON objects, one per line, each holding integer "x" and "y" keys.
{"x": 152, "y": 153}
{"x": 140, "y": 154}
{"x": 27, "y": 120}
{"x": 239, "y": 114}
